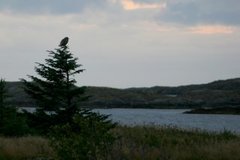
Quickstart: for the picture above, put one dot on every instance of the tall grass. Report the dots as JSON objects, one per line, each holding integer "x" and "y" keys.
{"x": 140, "y": 143}
{"x": 152, "y": 143}
{"x": 24, "y": 148}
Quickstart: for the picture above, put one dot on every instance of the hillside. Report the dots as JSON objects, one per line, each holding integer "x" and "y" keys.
{"x": 223, "y": 93}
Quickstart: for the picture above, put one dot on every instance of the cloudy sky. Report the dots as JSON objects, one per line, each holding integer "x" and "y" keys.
{"x": 125, "y": 43}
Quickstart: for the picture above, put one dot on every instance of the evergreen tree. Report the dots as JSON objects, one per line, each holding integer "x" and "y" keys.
{"x": 3, "y": 96}
{"x": 71, "y": 128}
{"x": 55, "y": 92}
{"x": 12, "y": 123}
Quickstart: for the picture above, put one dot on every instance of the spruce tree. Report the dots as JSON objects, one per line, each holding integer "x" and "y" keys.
{"x": 3, "y": 96}
{"x": 54, "y": 90}
{"x": 12, "y": 123}
{"x": 70, "y": 128}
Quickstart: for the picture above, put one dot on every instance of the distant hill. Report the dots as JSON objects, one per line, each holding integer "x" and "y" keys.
{"x": 222, "y": 93}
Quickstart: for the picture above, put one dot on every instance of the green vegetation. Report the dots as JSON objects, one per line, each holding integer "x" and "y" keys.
{"x": 11, "y": 122}
{"x": 154, "y": 143}
{"x": 88, "y": 137}
{"x": 3, "y": 96}
{"x": 151, "y": 143}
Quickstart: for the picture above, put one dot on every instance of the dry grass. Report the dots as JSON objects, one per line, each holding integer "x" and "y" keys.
{"x": 219, "y": 151}
{"x": 153, "y": 143}
{"x": 24, "y": 148}
{"x": 140, "y": 143}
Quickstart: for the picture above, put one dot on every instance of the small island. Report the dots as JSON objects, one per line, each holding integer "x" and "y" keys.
{"x": 222, "y": 110}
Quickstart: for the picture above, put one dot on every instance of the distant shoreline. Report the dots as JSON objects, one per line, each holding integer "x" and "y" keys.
{"x": 222, "y": 110}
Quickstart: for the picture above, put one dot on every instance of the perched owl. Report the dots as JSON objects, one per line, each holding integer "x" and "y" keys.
{"x": 63, "y": 42}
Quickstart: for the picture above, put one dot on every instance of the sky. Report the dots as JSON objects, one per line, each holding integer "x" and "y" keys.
{"x": 125, "y": 43}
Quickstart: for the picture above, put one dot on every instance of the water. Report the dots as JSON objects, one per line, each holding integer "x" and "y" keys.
{"x": 174, "y": 117}
{"x": 171, "y": 117}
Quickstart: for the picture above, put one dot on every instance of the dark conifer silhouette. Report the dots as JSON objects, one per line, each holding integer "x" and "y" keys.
{"x": 70, "y": 127}
{"x": 3, "y": 96}
{"x": 55, "y": 92}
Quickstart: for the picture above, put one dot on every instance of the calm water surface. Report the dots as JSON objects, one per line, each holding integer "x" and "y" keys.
{"x": 174, "y": 117}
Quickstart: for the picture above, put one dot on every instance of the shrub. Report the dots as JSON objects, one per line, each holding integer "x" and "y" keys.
{"x": 13, "y": 123}
{"x": 88, "y": 136}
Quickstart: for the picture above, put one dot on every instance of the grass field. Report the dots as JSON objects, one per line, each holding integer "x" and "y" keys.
{"x": 139, "y": 143}
{"x": 24, "y": 148}
{"x": 153, "y": 143}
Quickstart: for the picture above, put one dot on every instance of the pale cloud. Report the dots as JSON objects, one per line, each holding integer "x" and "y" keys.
{"x": 150, "y": 26}
{"x": 52, "y": 6}
{"x": 131, "y": 5}
{"x": 112, "y": 1}
{"x": 212, "y": 29}
{"x": 198, "y": 12}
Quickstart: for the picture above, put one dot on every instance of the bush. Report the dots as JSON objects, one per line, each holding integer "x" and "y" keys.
{"x": 88, "y": 136}
{"x": 13, "y": 123}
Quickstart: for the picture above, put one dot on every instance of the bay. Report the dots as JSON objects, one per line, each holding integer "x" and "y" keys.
{"x": 171, "y": 118}
{"x": 174, "y": 118}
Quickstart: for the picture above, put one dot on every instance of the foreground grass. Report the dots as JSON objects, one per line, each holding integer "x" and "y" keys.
{"x": 153, "y": 143}
{"x": 136, "y": 143}
{"x": 24, "y": 148}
